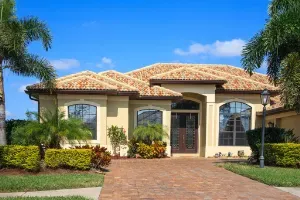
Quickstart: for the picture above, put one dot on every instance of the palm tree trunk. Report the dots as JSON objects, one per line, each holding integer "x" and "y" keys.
{"x": 2, "y": 107}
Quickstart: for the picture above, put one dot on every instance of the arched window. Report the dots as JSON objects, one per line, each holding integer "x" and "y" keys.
{"x": 185, "y": 105}
{"x": 87, "y": 113}
{"x": 149, "y": 116}
{"x": 235, "y": 120}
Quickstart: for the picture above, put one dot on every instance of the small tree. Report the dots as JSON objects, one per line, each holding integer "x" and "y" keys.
{"x": 117, "y": 137}
{"x": 51, "y": 129}
{"x": 149, "y": 133}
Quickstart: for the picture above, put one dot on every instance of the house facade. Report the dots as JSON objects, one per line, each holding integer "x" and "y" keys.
{"x": 206, "y": 109}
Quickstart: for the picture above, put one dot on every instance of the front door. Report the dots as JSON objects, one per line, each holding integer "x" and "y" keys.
{"x": 184, "y": 132}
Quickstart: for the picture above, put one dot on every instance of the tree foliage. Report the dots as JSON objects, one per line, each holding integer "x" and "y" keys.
{"x": 149, "y": 133}
{"x": 51, "y": 129}
{"x": 275, "y": 43}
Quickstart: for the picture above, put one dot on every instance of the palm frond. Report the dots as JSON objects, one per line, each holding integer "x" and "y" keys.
{"x": 32, "y": 65}
{"x": 254, "y": 52}
{"x": 36, "y": 30}
{"x": 7, "y": 10}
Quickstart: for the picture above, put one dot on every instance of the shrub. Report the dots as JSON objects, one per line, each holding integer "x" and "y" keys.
{"x": 68, "y": 158}
{"x": 117, "y": 137}
{"x": 132, "y": 148}
{"x": 149, "y": 133}
{"x": 272, "y": 135}
{"x": 286, "y": 155}
{"x": 146, "y": 151}
{"x": 156, "y": 150}
{"x": 159, "y": 149}
{"x": 24, "y": 157}
{"x": 100, "y": 156}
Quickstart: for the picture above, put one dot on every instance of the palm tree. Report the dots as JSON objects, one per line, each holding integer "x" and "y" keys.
{"x": 149, "y": 133}
{"x": 276, "y": 42}
{"x": 15, "y": 36}
{"x": 51, "y": 129}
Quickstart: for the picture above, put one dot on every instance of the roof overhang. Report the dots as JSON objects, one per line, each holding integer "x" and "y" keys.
{"x": 224, "y": 91}
{"x": 174, "y": 81}
{"x": 92, "y": 92}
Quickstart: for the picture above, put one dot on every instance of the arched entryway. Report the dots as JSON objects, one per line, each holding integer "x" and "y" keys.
{"x": 184, "y": 126}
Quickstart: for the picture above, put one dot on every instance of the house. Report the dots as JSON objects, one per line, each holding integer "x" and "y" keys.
{"x": 206, "y": 109}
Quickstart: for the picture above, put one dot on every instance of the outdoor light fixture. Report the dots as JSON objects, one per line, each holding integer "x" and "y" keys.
{"x": 265, "y": 98}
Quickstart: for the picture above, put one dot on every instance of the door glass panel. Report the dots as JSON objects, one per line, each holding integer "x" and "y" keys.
{"x": 175, "y": 131}
{"x": 190, "y": 132}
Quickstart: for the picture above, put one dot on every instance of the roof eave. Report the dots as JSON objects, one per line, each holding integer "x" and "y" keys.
{"x": 178, "y": 81}
{"x": 226, "y": 91}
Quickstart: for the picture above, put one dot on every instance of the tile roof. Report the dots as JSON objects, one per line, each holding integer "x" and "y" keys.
{"x": 138, "y": 81}
{"x": 87, "y": 80}
{"x": 185, "y": 73}
{"x": 143, "y": 87}
{"x": 237, "y": 79}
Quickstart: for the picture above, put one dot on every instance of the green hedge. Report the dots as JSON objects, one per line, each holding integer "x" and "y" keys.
{"x": 68, "y": 158}
{"x": 285, "y": 154}
{"x": 24, "y": 157}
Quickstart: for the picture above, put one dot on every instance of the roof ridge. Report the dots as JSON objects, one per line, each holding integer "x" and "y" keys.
{"x": 136, "y": 79}
{"x": 120, "y": 83}
{"x": 244, "y": 70}
{"x": 269, "y": 85}
{"x": 78, "y": 73}
{"x": 94, "y": 79}
{"x": 186, "y": 68}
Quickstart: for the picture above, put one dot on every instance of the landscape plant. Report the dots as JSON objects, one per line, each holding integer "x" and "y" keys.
{"x": 10, "y": 125}
{"x": 279, "y": 44}
{"x": 117, "y": 138}
{"x": 16, "y": 34}
{"x": 50, "y": 128}
{"x": 149, "y": 133}
{"x": 272, "y": 135}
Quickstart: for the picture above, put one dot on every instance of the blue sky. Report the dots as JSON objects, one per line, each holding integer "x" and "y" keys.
{"x": 124, "y": 35}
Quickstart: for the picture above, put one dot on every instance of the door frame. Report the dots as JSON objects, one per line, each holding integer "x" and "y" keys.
{"x": 197, "y": 142}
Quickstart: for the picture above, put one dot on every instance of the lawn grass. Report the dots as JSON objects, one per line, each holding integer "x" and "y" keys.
{"x": 275, "y": 176}
{"x": 22, "y": 183}
{"x": 45, "y": 198}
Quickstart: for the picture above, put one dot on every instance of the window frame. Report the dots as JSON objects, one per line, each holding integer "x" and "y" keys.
{"x": 95, "y": 132}
{"x": 235, "y": 116}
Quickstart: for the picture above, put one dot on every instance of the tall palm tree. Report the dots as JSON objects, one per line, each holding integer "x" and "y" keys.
{"x": 15, "y": 36}
{"x": 276, "y": 42}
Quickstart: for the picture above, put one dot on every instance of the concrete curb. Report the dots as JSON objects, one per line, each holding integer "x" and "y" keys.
{"x": 92, "y": 193}
{"x": 292, "y": 190}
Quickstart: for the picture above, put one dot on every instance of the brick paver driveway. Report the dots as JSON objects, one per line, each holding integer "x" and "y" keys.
{"x": 181, "y": 178}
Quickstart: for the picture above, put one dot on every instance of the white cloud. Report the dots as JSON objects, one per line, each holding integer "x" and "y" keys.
{"x": 23, "y": 87}
{"x": 8, "y": 114}
{"x": 105, "y": 62}
{"x": 65, "y": 63}
{"x": 219, "y": 48}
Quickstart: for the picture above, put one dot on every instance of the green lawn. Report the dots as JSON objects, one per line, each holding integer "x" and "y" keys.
{"x": 45, "y": 198}
{"x": 275, "y": 176}
{"x": 20, "y": 183}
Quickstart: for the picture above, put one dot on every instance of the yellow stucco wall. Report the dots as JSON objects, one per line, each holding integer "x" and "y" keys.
{"x": 286, "y": 120}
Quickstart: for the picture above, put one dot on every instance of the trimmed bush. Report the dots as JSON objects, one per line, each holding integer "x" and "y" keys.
{"x": 156, "y": 150}
{"x": 68, "y": 158}
{"x": 24, "y": 157}
{"x": 272, "y": 135}
{"x": 286, "y": 154}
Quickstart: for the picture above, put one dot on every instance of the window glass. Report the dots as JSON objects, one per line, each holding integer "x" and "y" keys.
{"x": 87, "y": 113}
{"x": 234, "y": 121}
{"x": 186, "y": 105}
{"x": 149, "y": 116}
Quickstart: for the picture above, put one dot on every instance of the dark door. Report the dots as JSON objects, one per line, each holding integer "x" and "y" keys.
{"x": 184, "y": 132}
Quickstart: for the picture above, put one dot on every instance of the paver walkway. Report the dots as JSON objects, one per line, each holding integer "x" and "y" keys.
{"x": 182, "y": 178}
{"x": 91, "y": 193}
